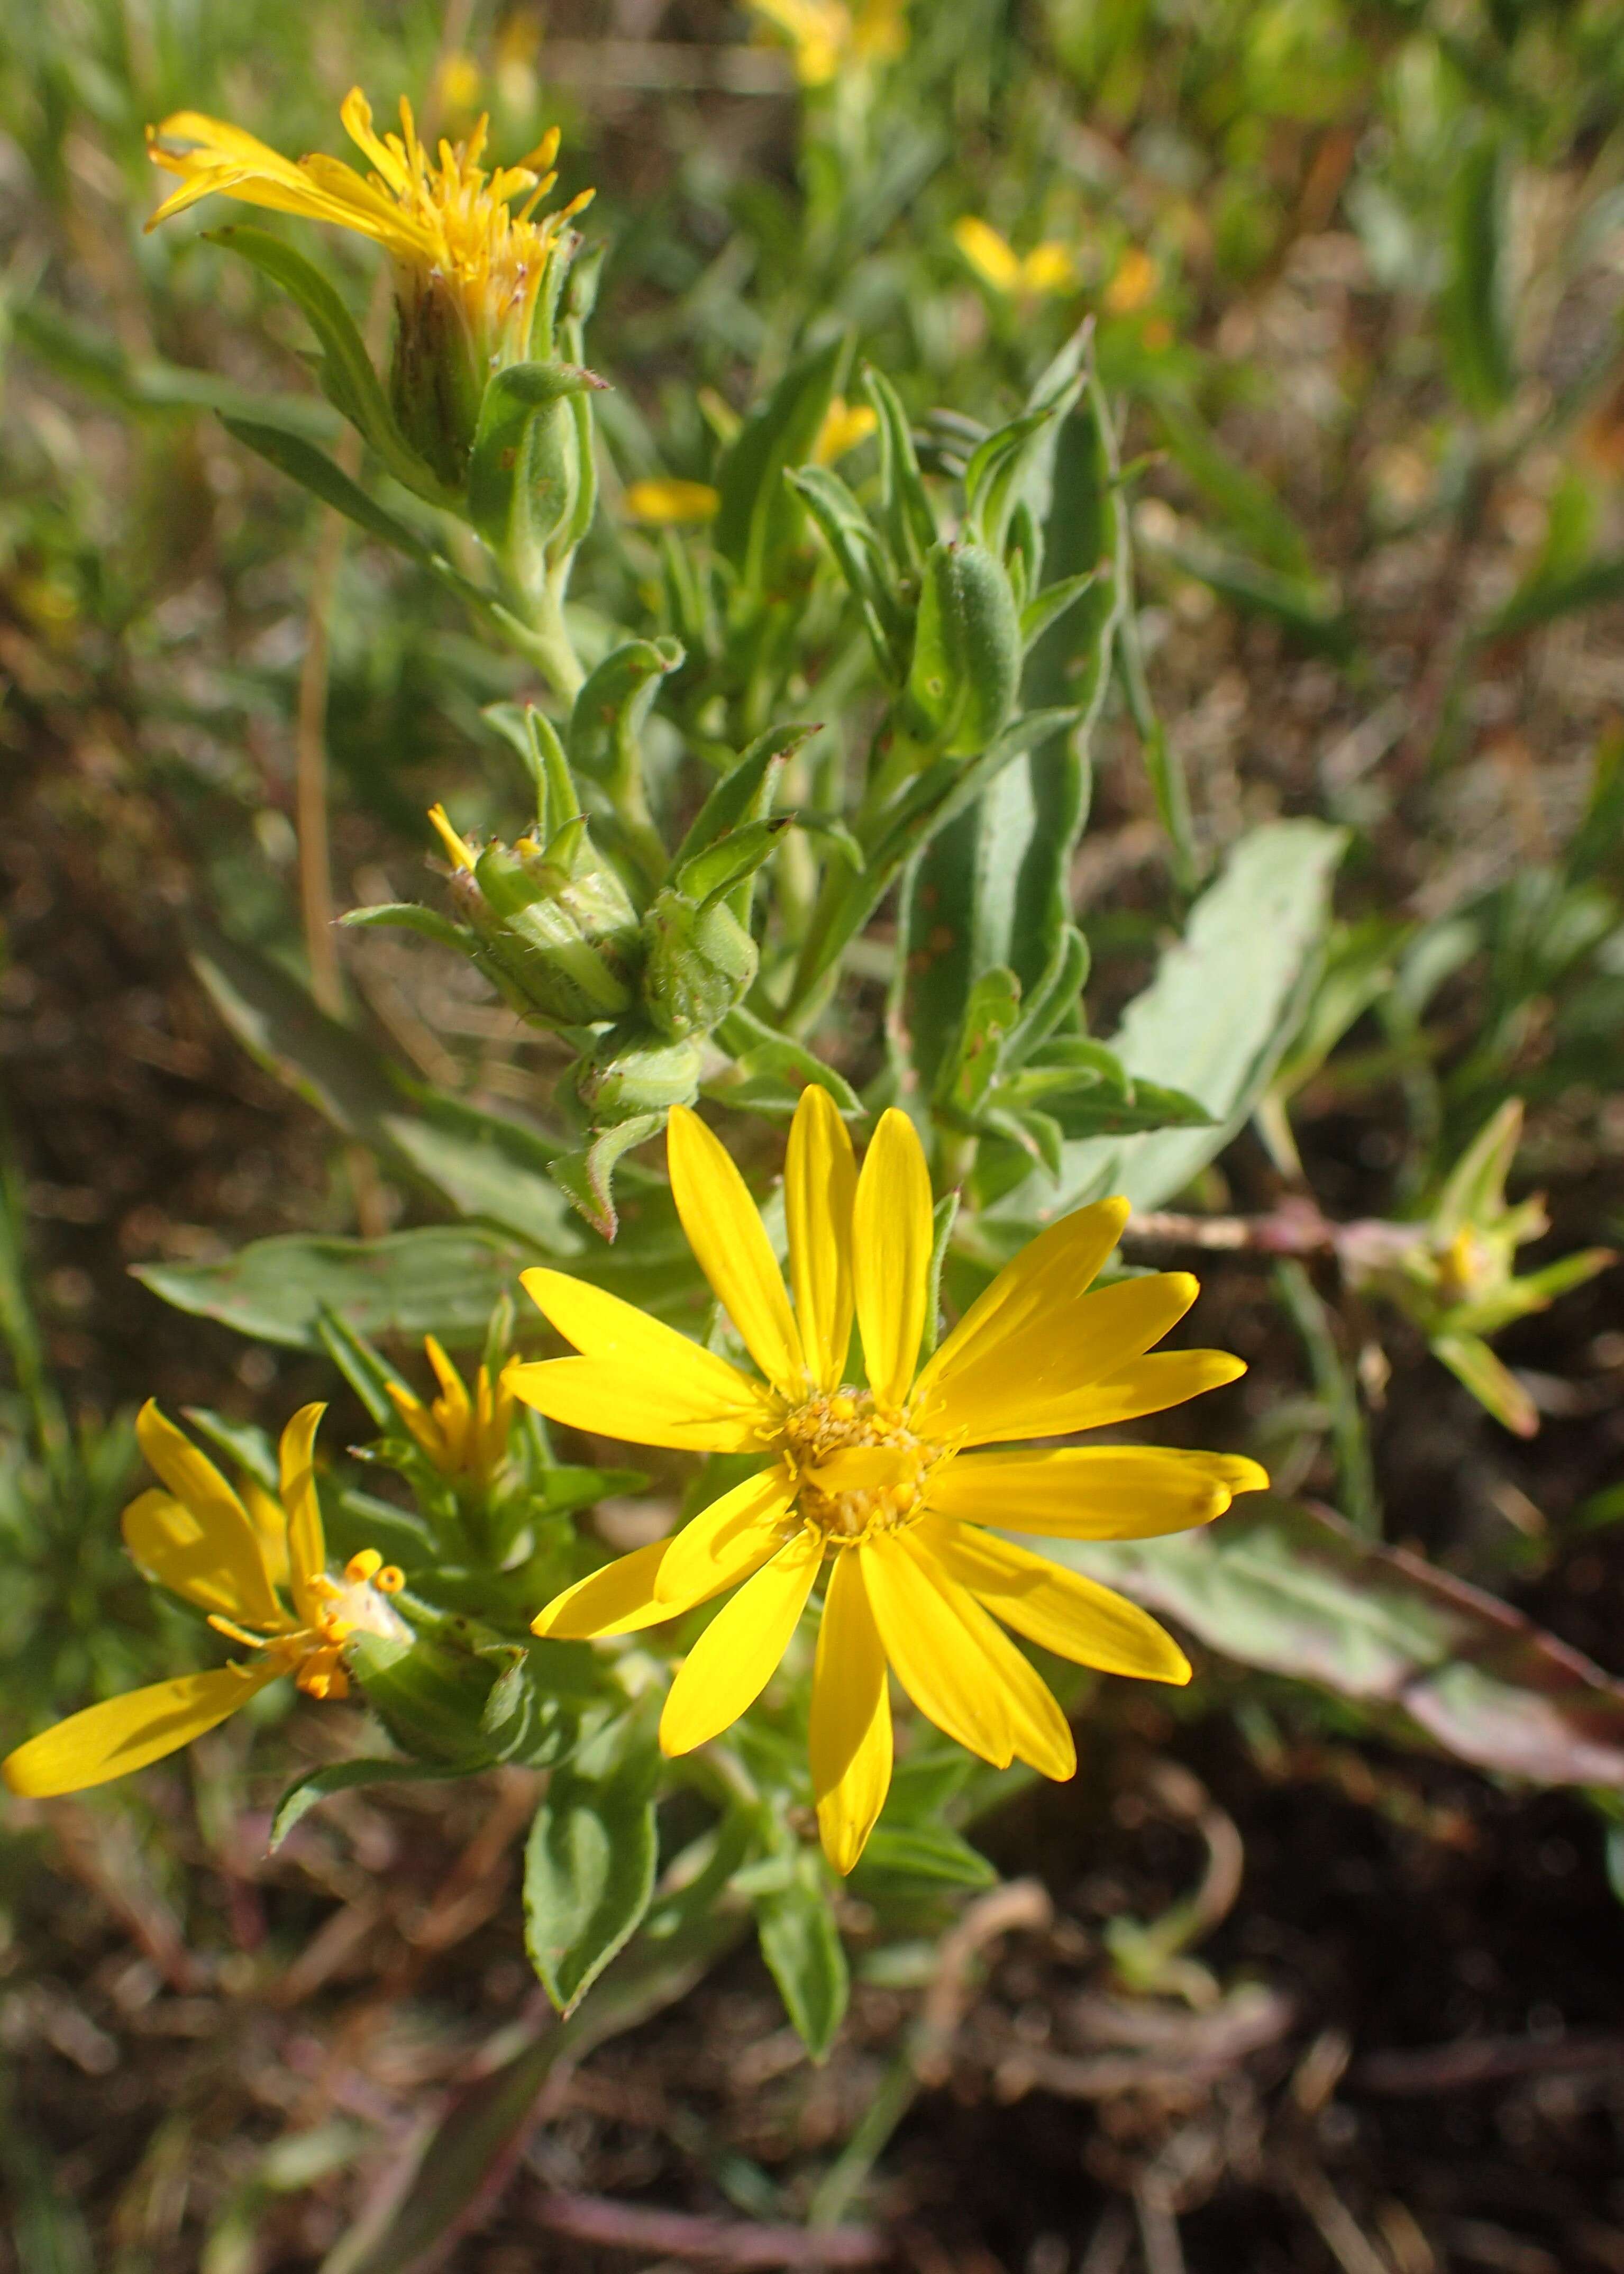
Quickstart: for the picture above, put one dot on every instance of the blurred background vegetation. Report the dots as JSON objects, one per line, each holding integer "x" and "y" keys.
{"x": 1357, "y": 276}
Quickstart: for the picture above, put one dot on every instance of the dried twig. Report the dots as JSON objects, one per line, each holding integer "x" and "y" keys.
{"x": 716, "y": 2241}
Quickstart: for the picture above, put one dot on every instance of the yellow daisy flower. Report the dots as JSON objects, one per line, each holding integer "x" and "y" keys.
{"x": 1048, "y": 268}
{"x": 258, "y": 1566}
{"x": 665, "y": 502}
{"x": 470, "y": 264}
{"x": 845, "y": 426}
{"x": 463, "y": 1437}
{"x": 886, "y": 1484}
{"x": 441, "y": 217}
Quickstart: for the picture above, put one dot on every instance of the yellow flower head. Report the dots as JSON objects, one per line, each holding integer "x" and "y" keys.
{"x": 845, "y": 426}
{"x": 258, "y": 1567}
{"x": 665, "y": 502}
{"x": 886, "y": 1482}
{"x": 1136, "y": 276}
{"x": 471, "y": 255}
{"x": 827, "y": 34}
{"x": 1048, "y": 268}
{"x": 464, "y": 1437}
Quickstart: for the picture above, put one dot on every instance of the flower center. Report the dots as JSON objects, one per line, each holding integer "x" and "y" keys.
{"x": 860, "y": 1467}
{"x": 356, "y": 1604}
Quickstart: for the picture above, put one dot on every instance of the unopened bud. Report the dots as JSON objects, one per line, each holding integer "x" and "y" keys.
{"x": 700, "y": 962}
{"x": 553, "y": 926}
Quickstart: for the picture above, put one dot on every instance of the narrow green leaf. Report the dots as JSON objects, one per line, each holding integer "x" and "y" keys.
{"x": 589, "y": 1875}
{"x": 905, "y": 507}
{"x": 440, "y": 1281}
{"x": 1214, "y": 1022}
{"x": 586, "y": 1178}
{"x": 802, "y": 1945}
{"x": 345, "y": 1776}
{"x": 1298, "y": 1592}
{"x": 931, "y": 1852}
{"x": 1474, "y": 312}
{"x": 745, "y": 791}
{"x": 760, "y": 518}
{"x": 314, "y": 470}
{"x": 352, "y": 384}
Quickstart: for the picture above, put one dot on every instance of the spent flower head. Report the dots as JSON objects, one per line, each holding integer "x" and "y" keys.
{"x": 258, "y": 1567}
{"x": 879, "y": 1485}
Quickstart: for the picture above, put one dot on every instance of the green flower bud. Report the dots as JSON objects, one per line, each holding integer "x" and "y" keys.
{"x": 553, "y": 926}
{"x": 430, "y": 1694}
{"x": 966, "y": 649}
{"x": 634, "y": 1072}
{"x": 700, "y": 962}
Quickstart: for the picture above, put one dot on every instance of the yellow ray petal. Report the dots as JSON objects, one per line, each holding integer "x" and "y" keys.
{"x": 171, "y": 1546}
{"x": 357, "y": 114}
{"x": 1057, "y": 1267}
{"x": 638, "y": 1379}
{"x": 1038, "y": 1731}
{"x": 1150, "y": 1385}
{"x": 199, "y": 1486}
{"x": 991, "y": 256}
{"x": 270, "y": 1523}
{"x": 307, "y": 1550}
{"x": 891, "y": 1233}
{"x": 122, "y": 1734}
{"x": 653, "y": 1364}
{"x": 820, "y": 1183}
{"x": 849, "y": 1738}
{"x": 623, "y": 1598}
{"x": 1094, "y": 1492}
{"x": 937, "y": 1660}
{"x": 739, "y": 1652}
{"x": 726, "y": 1232}
{"x": 1032, "y": 1382}
{"x": 1074, "y": 1617}
{"x": 611, "y": 1400}
{"x": 712, "y": 1542}
{"x": 617, "y": 1600}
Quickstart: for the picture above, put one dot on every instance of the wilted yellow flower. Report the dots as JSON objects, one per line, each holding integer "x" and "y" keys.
{"x": 1136, "y": 276}
{"x": 664, "y": 502}
{"x": 469, "y": 265}
{"x": 885, "y": 1479}
{"x": 463, "y": 1437}
{"x": 1048, "y": 268}
{"x": 845, "y": 426}
{"x": 826, "y": 33}
{"x": 258, "y": 1567}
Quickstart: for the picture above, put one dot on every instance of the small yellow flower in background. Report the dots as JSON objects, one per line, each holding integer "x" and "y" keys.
{"x": 665, "y": 503}
{"x": 886, "y": 1479}
{"x": 459, "y": 85}
{"x": 258, "y": 1567}
{"x": 827, "y": 34}
{"x": 463, "y": 1436}
{"x": 845, "y": 426}
{"x": 1048, "y": 268}
{"x": 1136, "y": 276}
{"x": 880, "y": 30}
